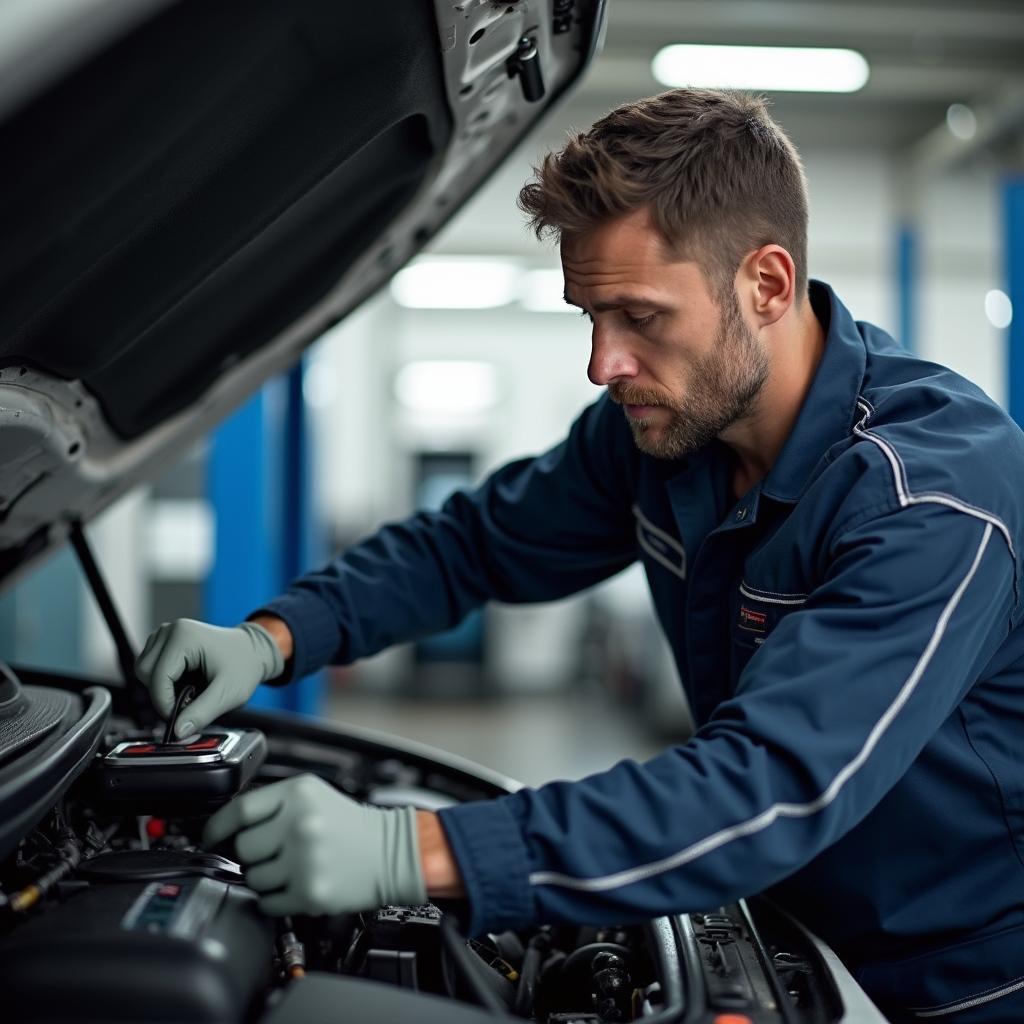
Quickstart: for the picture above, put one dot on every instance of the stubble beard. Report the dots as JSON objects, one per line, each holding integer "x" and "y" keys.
{"x": 721, "y": 390}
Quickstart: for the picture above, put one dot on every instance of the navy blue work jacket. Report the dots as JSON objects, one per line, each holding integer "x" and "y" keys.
{"x": 848, "y": 635}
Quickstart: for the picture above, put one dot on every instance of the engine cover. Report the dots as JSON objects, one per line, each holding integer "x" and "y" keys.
{"x": 178, "y": 949}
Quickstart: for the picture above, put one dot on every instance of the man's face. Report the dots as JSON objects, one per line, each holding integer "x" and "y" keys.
{"x": 683, "y": 368}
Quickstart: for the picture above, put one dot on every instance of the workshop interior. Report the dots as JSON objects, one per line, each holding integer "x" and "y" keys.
{"x": 265, "y": 287}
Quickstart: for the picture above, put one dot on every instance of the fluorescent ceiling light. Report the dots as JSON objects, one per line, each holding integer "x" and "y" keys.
{"x": 180, "y": 538}
{"x": 998, "y": 308}
{"x": 456, "y": 282}
{"x": 443, "y": 387}
{"x": 542, "y": 292}
{"x": 961, "y": 122}
{"x": 779, "y": 68}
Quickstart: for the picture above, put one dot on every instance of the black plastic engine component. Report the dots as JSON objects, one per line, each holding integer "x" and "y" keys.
{"x": 191, "y": 949}
{"x": 52, "y": 739}
{"x": 736, "y": 975}
{"x": 326, "y": 999}
{"x": 186, "y": 778}
{"x": 404, "y": 947}
{"x": 612, "y": 987}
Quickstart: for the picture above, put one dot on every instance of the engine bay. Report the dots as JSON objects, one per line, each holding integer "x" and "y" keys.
{"x": 110, "y": 910}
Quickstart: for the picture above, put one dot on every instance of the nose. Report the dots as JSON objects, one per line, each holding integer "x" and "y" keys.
{"x": 610, "y": 357}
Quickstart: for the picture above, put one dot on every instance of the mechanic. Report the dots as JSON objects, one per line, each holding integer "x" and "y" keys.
{"x": 830, "y": 530}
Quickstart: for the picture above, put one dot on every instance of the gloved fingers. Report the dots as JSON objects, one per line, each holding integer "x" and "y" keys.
{"x": 268, "y": 876}
{"x": 243, "y": 811}
{"x": 170, "y": 663}
{"x": 162, "y": 697}
{"x": 262, "y": 841}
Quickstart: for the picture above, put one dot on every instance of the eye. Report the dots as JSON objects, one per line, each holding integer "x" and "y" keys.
{"x": 642, "y": 321}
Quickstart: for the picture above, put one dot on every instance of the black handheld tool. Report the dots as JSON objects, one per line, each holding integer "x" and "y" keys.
{"x": 188, "y": 686}
{"x": 191, "y": 778}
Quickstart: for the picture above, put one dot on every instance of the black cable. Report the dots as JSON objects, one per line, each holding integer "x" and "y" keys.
{"x": 138, "y": 696}
{"x": 125, "y": 654}
{"x": 536, "y": 950}
{"x": 185, "y": 695}
{"x": 787, "y": 1010}
{"x": 467, "y": 965}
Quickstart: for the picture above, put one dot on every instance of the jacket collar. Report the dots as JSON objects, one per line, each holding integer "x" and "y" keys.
{"x": 829, "y": 410}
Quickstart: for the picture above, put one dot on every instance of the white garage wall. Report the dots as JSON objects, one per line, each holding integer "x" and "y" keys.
{"x": 850, "y": 236}
{"x": 961, "y": 260}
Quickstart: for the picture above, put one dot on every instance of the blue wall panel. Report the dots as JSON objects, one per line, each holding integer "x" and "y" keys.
{"x": 303, "y": 545}
{"x": 260, "y": 488}
{"x": 906, "y": 286}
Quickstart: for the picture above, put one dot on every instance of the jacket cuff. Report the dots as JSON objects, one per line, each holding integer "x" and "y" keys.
{"x": 491, "y": 853}
{"x": 315, "y": 632}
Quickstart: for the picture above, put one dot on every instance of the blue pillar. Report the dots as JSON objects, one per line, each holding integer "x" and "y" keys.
{"x": 303, "y": 542}
{"x": 906, "y": 285}
{"x": 260, "y": 488}
{"x": 1013, "y": 256}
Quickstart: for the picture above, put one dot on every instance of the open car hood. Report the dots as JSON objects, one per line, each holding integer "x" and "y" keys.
{"x": 193, "y": 192}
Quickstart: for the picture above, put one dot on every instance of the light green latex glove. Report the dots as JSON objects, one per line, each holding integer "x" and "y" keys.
{"x": 308, "y": 849}
{"x": 234, "y": 661}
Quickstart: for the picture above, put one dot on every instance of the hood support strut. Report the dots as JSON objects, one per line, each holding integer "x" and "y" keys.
{"x": 141, "y": 704}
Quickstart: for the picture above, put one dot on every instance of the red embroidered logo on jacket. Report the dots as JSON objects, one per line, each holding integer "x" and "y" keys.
{"x": 756, "y": 622}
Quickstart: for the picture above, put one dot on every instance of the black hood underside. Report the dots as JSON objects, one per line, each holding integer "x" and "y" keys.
{"x": 193, "y": 192}
{"x": 171, "y": 206}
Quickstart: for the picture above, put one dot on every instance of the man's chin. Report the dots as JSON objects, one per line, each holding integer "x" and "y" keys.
{"x": 660, "y": 441}
{"x": 650, "y": 439}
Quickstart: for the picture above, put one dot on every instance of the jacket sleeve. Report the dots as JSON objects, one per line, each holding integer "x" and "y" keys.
{"x": 828, "y": 714}
{"x": 537, "y": 529}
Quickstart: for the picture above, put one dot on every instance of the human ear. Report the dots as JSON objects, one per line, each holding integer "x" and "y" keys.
{"x": 770, "y": 274}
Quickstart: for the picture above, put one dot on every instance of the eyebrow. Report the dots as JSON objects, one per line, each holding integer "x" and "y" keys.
{"x": 616, "y": 303}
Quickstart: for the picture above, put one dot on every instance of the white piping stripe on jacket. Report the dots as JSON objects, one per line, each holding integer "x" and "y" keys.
{"x": 767, "y": 817}
{"x": 966, "y": 1004}
{"x": 671, "y": 541}
{"x": 769, "y": 598}
{"x": 657, "y": 555}
{"x": 929, "y": 498}
{"x": 643, "y": 523}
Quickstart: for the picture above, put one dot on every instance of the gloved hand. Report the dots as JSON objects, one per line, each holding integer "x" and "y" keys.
{"x": 234, "y": 661}
{"x": 308, "y": 849}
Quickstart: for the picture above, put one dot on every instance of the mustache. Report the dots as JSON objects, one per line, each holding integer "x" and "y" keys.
{"x": 623, "y": 394}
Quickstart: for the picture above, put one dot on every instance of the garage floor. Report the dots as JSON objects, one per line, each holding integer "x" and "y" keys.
{"x": 530, "y": 738}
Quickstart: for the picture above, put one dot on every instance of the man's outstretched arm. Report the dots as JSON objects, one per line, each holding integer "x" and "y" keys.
{"x": 537, "y": 529}
{"x": 828, "y": 715}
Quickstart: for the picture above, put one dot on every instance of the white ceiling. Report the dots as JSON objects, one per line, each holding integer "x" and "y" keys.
{"x": 923, "y": 57}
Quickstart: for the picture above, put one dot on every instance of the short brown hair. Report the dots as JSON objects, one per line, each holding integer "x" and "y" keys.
{"x": 719, "y": 176}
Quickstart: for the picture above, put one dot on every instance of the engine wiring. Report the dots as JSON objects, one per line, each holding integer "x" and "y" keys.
{"x": 70, "y": 852}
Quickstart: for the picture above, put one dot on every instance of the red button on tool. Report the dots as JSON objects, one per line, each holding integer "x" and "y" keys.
{"x": 169, "y": 891}
{"x": 732, "y": 1018}
{"x": 139, "y": 748}
{"x": 156, "y": 828}
{"x": 210, "y": 743}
